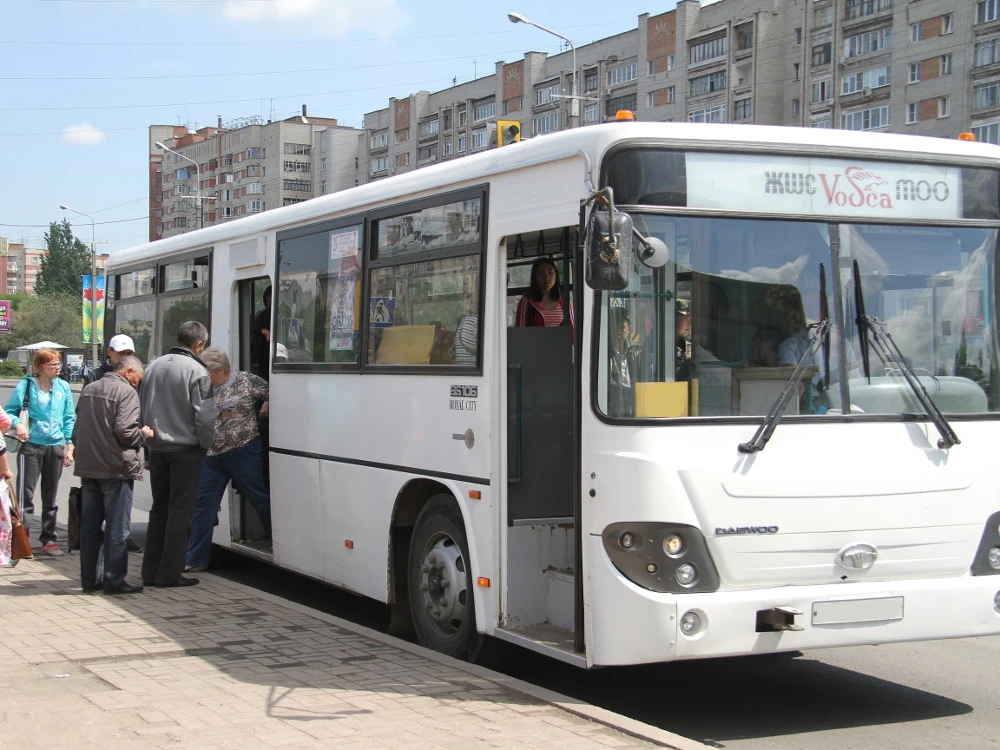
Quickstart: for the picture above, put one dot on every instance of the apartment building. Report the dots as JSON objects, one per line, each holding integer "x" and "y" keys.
{"x": 245, "y": 168}
{"x": 927, "y": 67}
{"x": 20, "y": 266}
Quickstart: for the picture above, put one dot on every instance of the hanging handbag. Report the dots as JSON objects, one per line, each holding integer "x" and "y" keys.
{"x": 10, "y": 437}
{"x": 20, "y": 545}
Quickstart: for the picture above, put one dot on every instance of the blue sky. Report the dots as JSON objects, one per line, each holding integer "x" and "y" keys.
{"x": 83, "y": 79}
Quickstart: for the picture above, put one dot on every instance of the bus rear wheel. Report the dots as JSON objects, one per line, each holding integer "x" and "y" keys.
{"x": 440, "y": 581}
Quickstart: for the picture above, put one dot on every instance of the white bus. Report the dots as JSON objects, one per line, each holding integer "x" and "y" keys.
{"x": 617, "y": 489}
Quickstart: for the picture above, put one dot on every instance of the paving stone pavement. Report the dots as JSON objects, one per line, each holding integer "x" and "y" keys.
{"x": 221, "y": 665}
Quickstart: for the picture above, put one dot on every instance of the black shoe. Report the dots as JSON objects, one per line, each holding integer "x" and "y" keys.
{"x": 91, "y": 589}
{"x": 125, "y": 588}
{"x": 132, "y": 546}
{"x": 180, "y": 582}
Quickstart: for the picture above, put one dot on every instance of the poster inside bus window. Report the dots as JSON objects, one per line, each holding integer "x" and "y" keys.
{"x": 431, "y": 228}
{"x": 343, "y": 289}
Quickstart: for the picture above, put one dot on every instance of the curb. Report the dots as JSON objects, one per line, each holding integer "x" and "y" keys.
{"x": 623, "y": 724}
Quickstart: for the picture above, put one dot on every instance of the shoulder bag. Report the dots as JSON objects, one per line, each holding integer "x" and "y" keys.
{"x": 10, "y": 437}
{"x": 20, "y": 545}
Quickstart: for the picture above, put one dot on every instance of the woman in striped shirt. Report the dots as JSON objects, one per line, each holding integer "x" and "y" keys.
{"x": 543, "y": 304}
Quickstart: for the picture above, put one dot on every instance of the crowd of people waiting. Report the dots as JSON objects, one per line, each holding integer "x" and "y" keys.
{"x": 187, "y": 416}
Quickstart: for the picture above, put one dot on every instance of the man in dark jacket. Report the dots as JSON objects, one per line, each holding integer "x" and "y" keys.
{"x": 178, "y": 403}
{"x": 109, "y": 437}
{"x": 119, "y": 346}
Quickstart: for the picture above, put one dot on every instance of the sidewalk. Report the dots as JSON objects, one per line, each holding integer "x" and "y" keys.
{"x": 221, "y": 665}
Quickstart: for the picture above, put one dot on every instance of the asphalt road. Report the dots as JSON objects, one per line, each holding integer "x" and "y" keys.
{"x": 936, "y": 694}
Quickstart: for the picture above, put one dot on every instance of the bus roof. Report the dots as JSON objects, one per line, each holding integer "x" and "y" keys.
{"x": 589, "y": 142}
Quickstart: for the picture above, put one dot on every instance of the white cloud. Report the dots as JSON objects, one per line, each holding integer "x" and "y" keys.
{"x": 84, "y": 134}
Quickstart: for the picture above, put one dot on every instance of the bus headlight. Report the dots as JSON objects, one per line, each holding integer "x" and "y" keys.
{"x": 987, "y": 559}
{"x": 690, "y": 623}
{"x": 662, "y": 557}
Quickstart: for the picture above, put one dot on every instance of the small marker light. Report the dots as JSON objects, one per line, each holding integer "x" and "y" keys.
{"x": 966, "y": 136}
{"x": 673, "y": 544}
{"x": 626, "y": 540}
{"x": 475, "y": 494}
{"x": 994, "y": 558}
{"x": 484, "y": 582}
{"x": 624, "y": 114}
{"x": 349, "y": 544}
{"x": 651, "y": 568}
{"x": 690, "y": 623}
{"x": 686, "y": 575}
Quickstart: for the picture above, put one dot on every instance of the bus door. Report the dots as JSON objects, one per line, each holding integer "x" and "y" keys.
{"x": 245, "y": 528}
{"x": 541, "y": 448}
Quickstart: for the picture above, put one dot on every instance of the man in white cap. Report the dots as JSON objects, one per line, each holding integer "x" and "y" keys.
{"x": 119, "y": 346}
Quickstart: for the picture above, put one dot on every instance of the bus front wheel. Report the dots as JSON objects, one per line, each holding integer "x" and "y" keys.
{"x": 440, "y": 581}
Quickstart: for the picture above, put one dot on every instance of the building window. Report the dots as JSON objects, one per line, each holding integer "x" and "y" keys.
{"x": 876, "y": 118}
{"x": 798, "y": 35}
{"x": 484, "y": 111}
{"x": 868, "y": 79}
{"x": 301, "y": 149}
{"x": 796, "y": 107}
{"x": 744, "y": 37}
{"x": 946, "y": 64}
{"x": 428, "y": 127}
{"x": 380, "y": 140}
{"x": 796, "y": 73}
{"x": 650, "y": 67}
{"x": 914, "y": 73}
{"x": 300, "y": 186}
{"x": 462, "y": 144}
{"x": 987, "y": 10}
{"x": 823, "y": 17}
{"x": 622, "y": 74}
{"x": 592, "y": 112}
{"x": 821, "y": 54}
{"x": 479, "y": 139}
{"x": 711, "y": 49}
{"x": 322, "y": 164}
{"x": 297, "y": 166}
{"x": 947, "y": 23}
{"x": 986, "y": 53}
{"x": 428, "y": 152}
{"x": 255, "y": 206}
{"x": 650, "y": 99}
{"x": 824, "y": 121}
{"x": 381, "y": 164}
{"x": 402, "y": 160}
{"x": 590, "y": 79}
{"x": 462, "y": 116}
{"x": 742, "y": 109}
{"x": 628, "y": 102}
{"x": 944, "y": 106}
{"x": 322, "y": 187}
{"x": 989, "y": 133}
{"x": 546, "y": 123}
{"x": 402, "y": 135}
{"x": 869, "y": 41}
{"x": 227, "y": 160}
{"x": 862, "y": 8}
{"x": 548, "y": 94}
{"x": 709, "y": 114}
{"x": 986, "y": 95}
{"x": 255, "y": 153}
{"x": 671, "y": 94}
{"x": 821, "y": 91}
{"x": 671, "y": 62}
{"x": 513, "y": 105}
{"x": 448, "y": 147}
{"x": 708, "y": 84}
{"x": 916, "y": 32}
{"x": 912, "y": 113}
{"x": 447, "y": 119}
{"x": 255, "y": 188}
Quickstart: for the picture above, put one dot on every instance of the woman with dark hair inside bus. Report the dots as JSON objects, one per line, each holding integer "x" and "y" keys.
{"x": 543, "y": 304}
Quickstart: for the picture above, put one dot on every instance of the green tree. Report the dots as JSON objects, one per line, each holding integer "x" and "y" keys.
{"x": 66, "y": 261}
{"x": 56, "y": 317}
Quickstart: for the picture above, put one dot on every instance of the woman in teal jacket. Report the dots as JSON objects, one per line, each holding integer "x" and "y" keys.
{"x": 46, "y": 442}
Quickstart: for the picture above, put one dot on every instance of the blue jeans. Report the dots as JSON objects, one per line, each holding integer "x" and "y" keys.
{"x": 106, "y": 502}
{"x": 244, "y": 467}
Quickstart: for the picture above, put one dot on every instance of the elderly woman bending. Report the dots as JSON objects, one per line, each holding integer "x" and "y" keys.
{"x": 236, "y": 455}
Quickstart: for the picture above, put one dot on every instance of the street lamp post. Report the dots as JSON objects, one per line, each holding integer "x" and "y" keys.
{"x": 573, "y": 97}
{"x": 93, "y": 281}
{"x": 199, "y": 208}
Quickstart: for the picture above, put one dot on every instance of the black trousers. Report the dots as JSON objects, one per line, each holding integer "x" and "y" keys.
{"x": 45, "y": 461}
{"x": 173, "y": 478}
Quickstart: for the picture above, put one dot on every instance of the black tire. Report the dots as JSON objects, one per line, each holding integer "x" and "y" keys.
{"x": 440, "y": 581}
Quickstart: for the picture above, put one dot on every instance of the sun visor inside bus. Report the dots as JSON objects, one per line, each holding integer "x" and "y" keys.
{"x": 651, "y": 177}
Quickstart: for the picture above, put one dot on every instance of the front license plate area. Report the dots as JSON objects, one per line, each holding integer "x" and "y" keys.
{"x": 852, "y": 611}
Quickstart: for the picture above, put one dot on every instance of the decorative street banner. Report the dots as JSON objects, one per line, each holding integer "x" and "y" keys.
{"x": 88, "y": 300}
{"x": 4, "y": 316}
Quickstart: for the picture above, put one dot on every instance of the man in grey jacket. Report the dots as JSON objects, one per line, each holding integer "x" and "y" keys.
{"x": 109, "y": 437}
{"x": 178, "y": 404}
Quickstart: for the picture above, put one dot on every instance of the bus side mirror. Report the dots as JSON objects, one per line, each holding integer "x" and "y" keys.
{"x": 608, "y": 250}
{"x": 652, "y": 252}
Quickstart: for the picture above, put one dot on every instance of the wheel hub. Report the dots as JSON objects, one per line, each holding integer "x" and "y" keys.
{"x": 443, "y": 584}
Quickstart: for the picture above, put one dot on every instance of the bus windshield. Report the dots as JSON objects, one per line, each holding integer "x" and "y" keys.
{"x": 717, "y": 331}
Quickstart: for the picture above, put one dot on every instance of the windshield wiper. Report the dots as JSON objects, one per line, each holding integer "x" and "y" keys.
{"x": 777, "y": 410}
{"x": 886, "y": 348}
